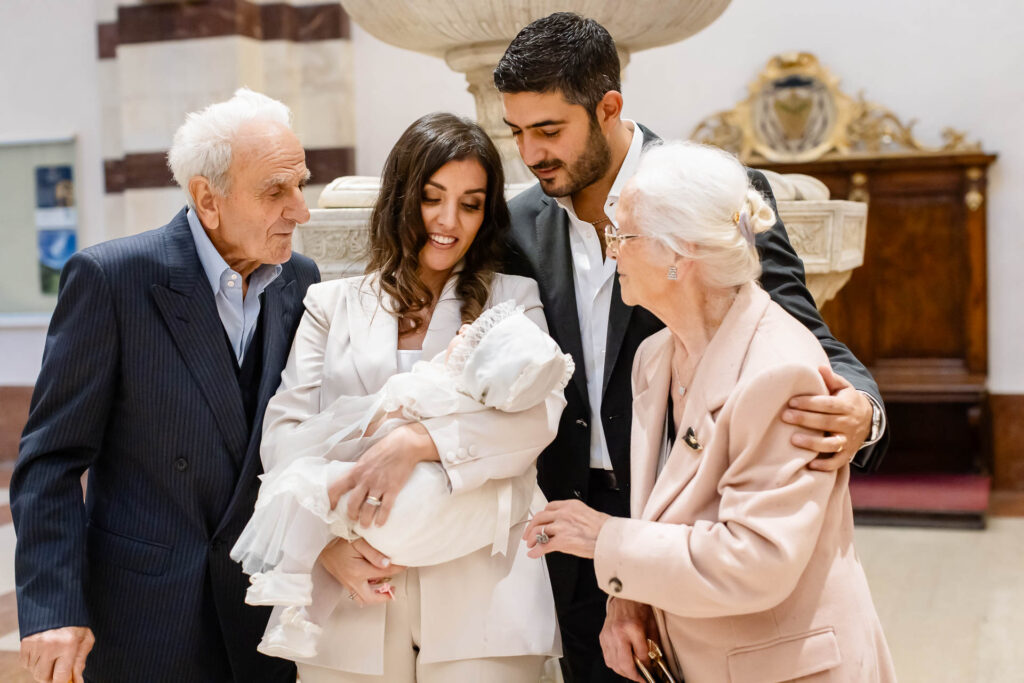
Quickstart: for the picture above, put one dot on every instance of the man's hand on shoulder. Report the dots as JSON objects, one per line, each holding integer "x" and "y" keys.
{"x": 843, "y": 419}
{"x": 57, "y": 655}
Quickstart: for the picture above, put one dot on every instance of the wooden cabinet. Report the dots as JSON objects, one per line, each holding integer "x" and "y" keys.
{"x": 915, "y": 312}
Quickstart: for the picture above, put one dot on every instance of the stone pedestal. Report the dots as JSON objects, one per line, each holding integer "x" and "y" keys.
{"x": 827, "y": 234}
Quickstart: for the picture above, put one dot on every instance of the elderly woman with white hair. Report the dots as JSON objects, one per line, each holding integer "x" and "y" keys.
{"x": 738, "y": 558}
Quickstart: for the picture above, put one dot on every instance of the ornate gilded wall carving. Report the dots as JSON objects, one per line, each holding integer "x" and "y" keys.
{"x": 796, "y": 112}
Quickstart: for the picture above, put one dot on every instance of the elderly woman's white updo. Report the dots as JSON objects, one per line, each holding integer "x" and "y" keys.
{"x": 698, "y": 201}
{"x": 202, "y": 145}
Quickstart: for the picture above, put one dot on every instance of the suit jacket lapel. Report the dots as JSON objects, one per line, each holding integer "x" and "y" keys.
{"x": 555, "y": 273}
{"x": 683, "y": 461}
{"x": 714, "y": 380}
{"x": 278, "y": 299}
{"x": 618, "y": 322}
{"x": 190, "y": 313}
{"x": 620, "y": 314}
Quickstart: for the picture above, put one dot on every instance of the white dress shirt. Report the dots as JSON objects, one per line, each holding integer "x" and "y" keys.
{"x": 593, "y": 277}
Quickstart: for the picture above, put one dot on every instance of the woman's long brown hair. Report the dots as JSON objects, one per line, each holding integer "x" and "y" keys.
{"x": 397, "y": 233}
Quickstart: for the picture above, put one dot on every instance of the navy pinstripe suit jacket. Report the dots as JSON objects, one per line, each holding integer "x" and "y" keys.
{"x": 138, "y": 386}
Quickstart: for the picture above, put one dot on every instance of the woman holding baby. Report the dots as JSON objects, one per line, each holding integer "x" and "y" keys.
{"x": 436, "y": 234}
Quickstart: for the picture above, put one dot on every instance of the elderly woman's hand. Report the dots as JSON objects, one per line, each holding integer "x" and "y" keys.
{"x": 627, "y": 627}
{"x": 564, "y": 526}
{"x": 361, "y": 569}
{"x": 381, "y": 472}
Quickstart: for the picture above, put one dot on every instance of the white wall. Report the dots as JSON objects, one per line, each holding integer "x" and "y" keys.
{"x": 49, "y": 83}
{"x": 50, "y": 89}
{"x": 394, "y": 87}
{"x": 945, "y": 63}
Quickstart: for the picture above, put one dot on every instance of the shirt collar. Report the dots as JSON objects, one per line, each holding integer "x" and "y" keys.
{"x": 214, "y": 265}
{"x": 629, "y": 164}
{"x": 626, "y": 171}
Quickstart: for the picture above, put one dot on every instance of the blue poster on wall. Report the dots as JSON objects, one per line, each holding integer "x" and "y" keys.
{"x": 56, "y": 223}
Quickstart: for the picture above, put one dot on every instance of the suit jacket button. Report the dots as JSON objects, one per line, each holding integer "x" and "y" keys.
{"x": 181, "y": 464}
{"x": 615, "y": 585}
{"x": 581, "y": 423}
{"x": 576, "y": 493}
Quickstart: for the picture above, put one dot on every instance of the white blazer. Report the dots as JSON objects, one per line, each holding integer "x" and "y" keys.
{"x": 483, "y": 604}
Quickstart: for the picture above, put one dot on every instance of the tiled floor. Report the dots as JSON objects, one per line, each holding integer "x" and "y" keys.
{"x": 950, "y": 601}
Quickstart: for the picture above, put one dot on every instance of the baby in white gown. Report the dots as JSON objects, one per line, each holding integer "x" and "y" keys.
{"x": 501, "y": 361}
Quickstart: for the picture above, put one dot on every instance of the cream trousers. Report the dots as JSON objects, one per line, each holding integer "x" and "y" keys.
{"x": 401, "y": 644}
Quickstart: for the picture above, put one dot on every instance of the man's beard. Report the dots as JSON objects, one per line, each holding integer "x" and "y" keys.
{"x": 588, "y": 169}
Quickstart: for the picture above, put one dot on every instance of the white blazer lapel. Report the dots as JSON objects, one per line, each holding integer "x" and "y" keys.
{"x": 374, "y": 336}
{"x": 445, "y": 322}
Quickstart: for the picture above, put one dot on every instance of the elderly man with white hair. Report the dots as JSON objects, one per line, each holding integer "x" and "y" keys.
{"x": 162, "y": 353}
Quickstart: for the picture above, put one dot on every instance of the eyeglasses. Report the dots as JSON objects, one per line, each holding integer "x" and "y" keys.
{"x": 615, "y": 239}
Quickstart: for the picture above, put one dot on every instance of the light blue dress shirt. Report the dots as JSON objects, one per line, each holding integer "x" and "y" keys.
{"x": 237, "y": 314}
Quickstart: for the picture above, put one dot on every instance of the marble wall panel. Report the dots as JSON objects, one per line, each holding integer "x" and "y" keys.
{"x": 1007, "y": 411}
{"x": 14, "y": 402}
{"x": 110, "y": 109}
{"x": 146, "y": 209}
{"x": 113, "y": 210}
{"x": 324, "y": 120}
{"x": 106, "y": 10}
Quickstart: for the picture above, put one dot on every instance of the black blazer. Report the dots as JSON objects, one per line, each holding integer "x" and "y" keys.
{"x": 139, "y": 387}
{"x": 540, "y": 249}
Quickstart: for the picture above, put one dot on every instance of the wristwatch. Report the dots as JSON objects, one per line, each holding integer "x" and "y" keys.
{"x": 877, "y": 425}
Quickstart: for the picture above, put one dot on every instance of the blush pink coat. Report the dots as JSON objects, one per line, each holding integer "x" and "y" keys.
{"x": 746, "y": 554}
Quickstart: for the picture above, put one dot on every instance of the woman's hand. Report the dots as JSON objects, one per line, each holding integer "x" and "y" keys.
{"x": 360, "y": 568}
{"x": 627, "y": 627}
{"x": 569, "y": 527}
{"x": 381, "y": 472}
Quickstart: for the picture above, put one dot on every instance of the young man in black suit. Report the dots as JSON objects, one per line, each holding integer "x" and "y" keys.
{"x": 560, "y": 86}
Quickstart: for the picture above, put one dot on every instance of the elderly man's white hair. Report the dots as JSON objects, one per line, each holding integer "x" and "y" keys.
{"x": 202, "y": 145}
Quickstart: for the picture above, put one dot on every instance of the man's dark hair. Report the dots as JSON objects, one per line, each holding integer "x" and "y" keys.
{"x": 562, "y": 52}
